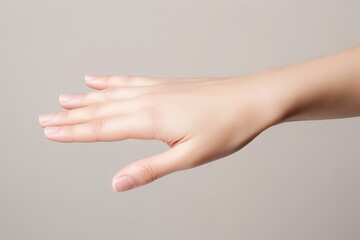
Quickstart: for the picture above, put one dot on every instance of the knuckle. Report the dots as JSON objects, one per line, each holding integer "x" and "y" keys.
{"x": 106, "y": 77}
{"x": 127, "y": 80}
{"x": 149, "y": 112}
{"x": 149, "y": 100}
{"x": 149, "y": 171}
{"x": 148, "y": 115}
{"x": 70, "y": 132}
{"x": 98, "y": 128}
{"x": 64, "y": 115}
{"x": 111, "y": 92}
{"x": 94, "y": 111}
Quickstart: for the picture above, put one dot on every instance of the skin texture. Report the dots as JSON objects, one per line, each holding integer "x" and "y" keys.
{"x": 203, "y": 119}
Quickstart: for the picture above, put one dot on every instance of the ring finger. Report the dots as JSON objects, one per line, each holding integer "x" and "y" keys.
{"x": 71, "y": 101}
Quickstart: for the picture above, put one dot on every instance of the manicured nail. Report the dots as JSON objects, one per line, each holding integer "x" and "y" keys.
{"x": 91, "y": 79}
{"x": 66, "y": 97}
{"x": 51, "y": 130}
{"x": 123, "y": 183}
{"x": 46, "y": 117}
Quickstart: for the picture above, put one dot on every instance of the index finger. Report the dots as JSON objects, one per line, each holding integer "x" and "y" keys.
{"x": 138, "y": 126}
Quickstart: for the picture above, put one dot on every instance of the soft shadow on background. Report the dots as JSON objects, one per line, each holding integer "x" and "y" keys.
{"x": 295, "y": 181}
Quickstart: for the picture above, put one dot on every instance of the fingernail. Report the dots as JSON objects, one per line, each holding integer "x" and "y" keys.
{"x": 51, "y": 130}
{"x": 90, "y": 79}
{"x": 66, "y": 97}
{"x": 46, "y": 117}
{"x": 123, "y": 183}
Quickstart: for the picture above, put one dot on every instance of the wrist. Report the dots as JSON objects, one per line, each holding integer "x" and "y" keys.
{"x": 322, "y": 88}
{"x": 283, "y": 94}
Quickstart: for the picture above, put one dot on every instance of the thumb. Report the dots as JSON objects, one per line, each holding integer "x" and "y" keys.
{"x": 144, "y": 171}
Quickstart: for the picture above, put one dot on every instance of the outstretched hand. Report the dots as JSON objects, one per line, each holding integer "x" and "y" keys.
{"x": 201, "y": 119}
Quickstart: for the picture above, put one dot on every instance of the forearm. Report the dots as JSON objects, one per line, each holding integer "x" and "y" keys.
{"x": 323, "y": 88}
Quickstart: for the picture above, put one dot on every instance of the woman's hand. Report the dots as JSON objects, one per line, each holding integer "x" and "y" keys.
{"x": 207, "y": 118}
{"x": 199, "y": 119}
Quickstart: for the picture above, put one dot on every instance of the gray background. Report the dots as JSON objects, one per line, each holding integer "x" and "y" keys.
{"x": 295, "y": 181}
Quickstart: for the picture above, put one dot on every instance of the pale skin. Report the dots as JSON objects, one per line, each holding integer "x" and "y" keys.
{"x": 203, "y": 119}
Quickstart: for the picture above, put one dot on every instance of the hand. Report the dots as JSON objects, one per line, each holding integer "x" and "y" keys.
{"x": 201, "y": 120}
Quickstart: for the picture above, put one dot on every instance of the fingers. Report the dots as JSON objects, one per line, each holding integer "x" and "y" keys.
{"x": 95, "y": 97}
{"x": 102, "y": 82}
{"x": 120, "y": 87}
{"x": 137, "y": 125}
{"x": 151, "y": 168}
{"x": 89, "y": 113}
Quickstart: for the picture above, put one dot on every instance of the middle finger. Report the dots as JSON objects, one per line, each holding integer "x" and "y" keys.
{"x": 89, "y": 113}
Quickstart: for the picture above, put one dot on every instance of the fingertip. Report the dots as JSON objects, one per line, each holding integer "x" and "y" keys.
{"x": 149, "y": 169}
{"x": 94, "y": 82}
{"x": 40, "y": 120}
{"x": 67, "y": 107}
{"x": 66, "y": 98}
{"x": 46, "y": 118}
{"x": 123, "y": 183}
{"x": 90, "y": 78}
{"x": 67, "y": 101}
